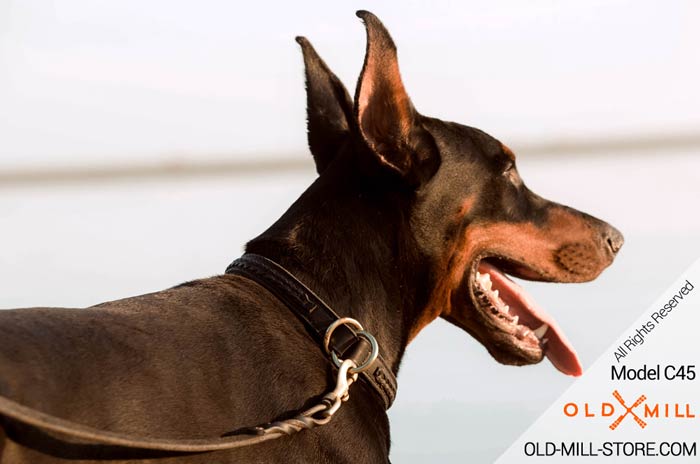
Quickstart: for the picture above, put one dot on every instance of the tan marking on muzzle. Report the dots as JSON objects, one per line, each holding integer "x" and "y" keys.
{"x": 576, "y": 257}
{"x": 567, "y": 248}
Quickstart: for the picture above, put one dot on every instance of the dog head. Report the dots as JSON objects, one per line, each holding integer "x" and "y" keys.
{"x": 469, "y": 212}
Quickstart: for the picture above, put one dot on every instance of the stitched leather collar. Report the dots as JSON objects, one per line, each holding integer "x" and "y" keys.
{"x": 317, "y": 316}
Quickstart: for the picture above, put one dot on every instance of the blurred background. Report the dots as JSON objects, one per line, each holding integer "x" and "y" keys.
{"x": 143, "y": 143}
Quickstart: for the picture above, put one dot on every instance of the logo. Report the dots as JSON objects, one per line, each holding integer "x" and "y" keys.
{"x": 641, "y": 411}
{"x": 628, "y": 410}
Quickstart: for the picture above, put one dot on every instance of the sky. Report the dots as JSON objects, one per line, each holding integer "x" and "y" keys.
{"x": 85, "y": 82}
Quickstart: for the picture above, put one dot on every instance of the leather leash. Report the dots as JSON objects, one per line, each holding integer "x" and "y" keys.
{"x": 358, "y": 350}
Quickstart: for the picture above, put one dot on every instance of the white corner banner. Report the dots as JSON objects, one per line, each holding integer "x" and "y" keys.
{"x": 638, "y": 403}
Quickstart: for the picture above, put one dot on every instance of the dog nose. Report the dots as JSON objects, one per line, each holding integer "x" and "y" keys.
{"x": 613, "y": 238}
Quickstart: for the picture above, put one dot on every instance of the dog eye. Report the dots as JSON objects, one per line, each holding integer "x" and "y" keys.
{"x": 508, "y": 168}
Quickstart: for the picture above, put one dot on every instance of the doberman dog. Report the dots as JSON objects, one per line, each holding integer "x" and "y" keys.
{"x": 411, "y": 218}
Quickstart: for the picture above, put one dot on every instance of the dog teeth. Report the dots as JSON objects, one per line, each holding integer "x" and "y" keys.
{"x": 522, "y": 332}
{"x": 540, "y": 331}
{"x": 491, "y": 296}
{"x": 516, "y": 319}
{"x": 484, "y": 280}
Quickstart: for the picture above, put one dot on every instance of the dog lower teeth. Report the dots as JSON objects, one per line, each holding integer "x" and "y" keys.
{"x": 540, "y": 331}
{"x": 498, "y": 308}
{"x": 484, "y": 286}
{"x": 522, "y": 332}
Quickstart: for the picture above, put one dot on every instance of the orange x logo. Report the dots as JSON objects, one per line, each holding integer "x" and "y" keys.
{"x": 628, "y": 410}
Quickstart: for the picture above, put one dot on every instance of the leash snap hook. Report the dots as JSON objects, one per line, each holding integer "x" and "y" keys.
{"x": 360, "y": 332}
{"x": 341, "y": 392}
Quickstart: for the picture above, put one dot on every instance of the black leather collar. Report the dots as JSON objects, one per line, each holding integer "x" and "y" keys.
{"x": 317, "y": 316}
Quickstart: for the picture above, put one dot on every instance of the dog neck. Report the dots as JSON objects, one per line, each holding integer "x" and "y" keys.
{"x": 354, "y": 249}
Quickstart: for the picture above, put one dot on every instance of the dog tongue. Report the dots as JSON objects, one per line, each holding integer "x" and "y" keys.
{"x": 558, "y": 349}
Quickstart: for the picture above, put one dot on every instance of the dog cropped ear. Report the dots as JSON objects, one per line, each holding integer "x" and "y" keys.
{"x": 386, "y": 118}
{"x": 328, "y": 107}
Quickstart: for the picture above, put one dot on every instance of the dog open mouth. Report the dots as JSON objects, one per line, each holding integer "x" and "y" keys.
{"x": 517, "y": 325}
